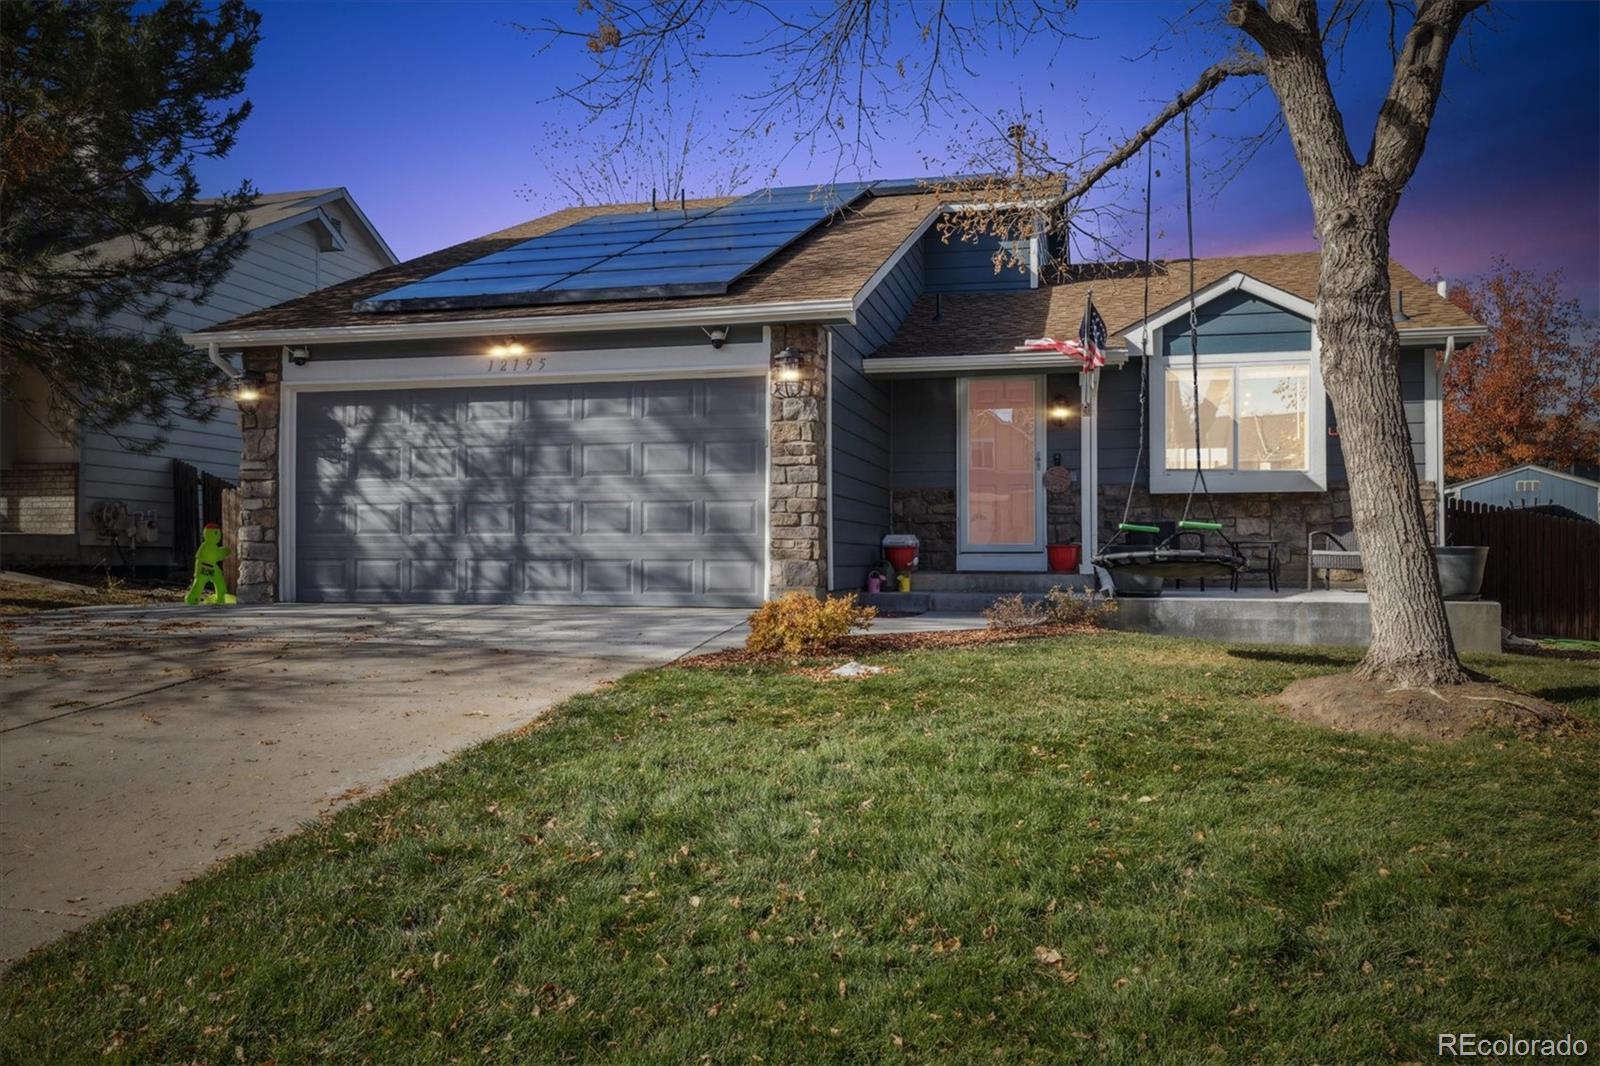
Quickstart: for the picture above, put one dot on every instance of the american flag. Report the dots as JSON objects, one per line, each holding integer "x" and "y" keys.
{"x": 1090, "y": 347}
{"x": 1092, "y": 335}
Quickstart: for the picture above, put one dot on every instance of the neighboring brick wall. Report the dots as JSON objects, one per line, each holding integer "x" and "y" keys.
{"x": 799, "y": 493}
{"x": 39, "y": 498}
{"x": 258, "y": 485}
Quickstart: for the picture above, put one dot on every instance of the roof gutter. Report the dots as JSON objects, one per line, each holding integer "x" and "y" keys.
{"x": 840, "y": 310}
{"x": 877, "y": 365}
{"x": 1447, "y": 335}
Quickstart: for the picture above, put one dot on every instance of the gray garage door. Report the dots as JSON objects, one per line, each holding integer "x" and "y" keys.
{"x": 616, "y": 493}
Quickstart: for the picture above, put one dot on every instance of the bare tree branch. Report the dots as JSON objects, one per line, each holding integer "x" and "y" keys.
{"x": 1407, "y": 111}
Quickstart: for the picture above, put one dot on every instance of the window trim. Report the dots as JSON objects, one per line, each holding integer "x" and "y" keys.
{"x": 1313, "y": 479}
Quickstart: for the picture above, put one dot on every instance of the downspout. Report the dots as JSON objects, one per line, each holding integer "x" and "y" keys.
{"x": 214, "y": 353}
{"x": 1444, "y": 364}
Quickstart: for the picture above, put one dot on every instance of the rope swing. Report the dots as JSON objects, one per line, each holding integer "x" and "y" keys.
{"x": 1164, "y": 558}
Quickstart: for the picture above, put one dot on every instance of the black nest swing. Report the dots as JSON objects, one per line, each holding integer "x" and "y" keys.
{"x": 1156, "y": 560}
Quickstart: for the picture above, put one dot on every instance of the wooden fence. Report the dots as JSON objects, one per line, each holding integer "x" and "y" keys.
{"x": 198, "y": 498}
{"x": 1543, "y": 569}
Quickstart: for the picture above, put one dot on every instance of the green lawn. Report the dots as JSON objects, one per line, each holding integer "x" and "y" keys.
{"x": 747, "y": 866}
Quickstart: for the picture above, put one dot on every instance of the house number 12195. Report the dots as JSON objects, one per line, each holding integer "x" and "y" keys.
{"x": 520, "y": 364}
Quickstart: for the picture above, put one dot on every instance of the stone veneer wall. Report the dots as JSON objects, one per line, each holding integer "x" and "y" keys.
{"x": 39, "y": 498}
{"x": 930, "y": 514}
{"x": 258, "y": 485}
{"x": 1287, "y": 517}
{"x": 799, "y": 491}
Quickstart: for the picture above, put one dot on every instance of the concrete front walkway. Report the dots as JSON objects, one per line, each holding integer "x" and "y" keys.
{"x": 138, "y": 746}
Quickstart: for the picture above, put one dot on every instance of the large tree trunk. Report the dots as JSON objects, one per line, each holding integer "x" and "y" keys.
{"x": 1353, "y": 203}
{"x": 1411, "y": 641}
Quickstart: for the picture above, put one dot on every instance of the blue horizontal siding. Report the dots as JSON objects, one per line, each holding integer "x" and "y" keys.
{"x": 860, "y": 411}
{"x": 1236, "y": 323}
{"x": 1501, "y": 491}
{"x": 967, "y": 265}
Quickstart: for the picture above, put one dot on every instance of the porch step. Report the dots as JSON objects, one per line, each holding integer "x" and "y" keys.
{"x": 922, "y": 602}
{"x": 995, "y": 584}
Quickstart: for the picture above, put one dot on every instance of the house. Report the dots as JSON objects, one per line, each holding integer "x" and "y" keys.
{"x": 1531, "y": 485}
{"x": 52, "y": 487}
{"x": 726, "y": 399}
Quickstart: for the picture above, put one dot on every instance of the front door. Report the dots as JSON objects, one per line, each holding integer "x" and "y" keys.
{"x": 1000, "y": 500}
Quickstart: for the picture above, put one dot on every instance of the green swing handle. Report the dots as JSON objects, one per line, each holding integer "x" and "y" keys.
{"x": 1215, "y": 527}
{"x": 1134, "y": 527}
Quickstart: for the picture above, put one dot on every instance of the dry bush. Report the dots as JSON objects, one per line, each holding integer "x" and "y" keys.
{"x": 800, "y": 623}
{"x": 1013, "y": 612}
{"x": 1061, "y": 607}
{"x": 1069, "y": 607}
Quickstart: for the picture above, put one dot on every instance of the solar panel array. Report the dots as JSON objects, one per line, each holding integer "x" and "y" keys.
{"x": 639, "y": 255}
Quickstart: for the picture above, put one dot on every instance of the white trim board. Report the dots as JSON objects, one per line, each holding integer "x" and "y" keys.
{"x": 580, "y": 365}
{"x": 1004, "y": 557}
{"x": 827, "y": 461}
{"x": 1239, "y": 281}
{"x": 1033, "y": 362}
{"x": 864, "y": 293}
{"x": 1313, "y": 479}
{"x": 839, "y": 310}
{"x": 311, "y": 207}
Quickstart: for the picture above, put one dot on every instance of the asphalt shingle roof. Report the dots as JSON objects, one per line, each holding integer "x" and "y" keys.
{"x": 986, "y": 323}
{"x": 833, "y": 261}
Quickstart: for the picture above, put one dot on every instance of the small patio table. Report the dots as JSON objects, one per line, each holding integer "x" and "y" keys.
{"x": 1245, "y": 547}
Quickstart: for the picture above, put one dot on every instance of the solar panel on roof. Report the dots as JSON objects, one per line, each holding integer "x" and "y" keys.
{"x": 637, "y": 255}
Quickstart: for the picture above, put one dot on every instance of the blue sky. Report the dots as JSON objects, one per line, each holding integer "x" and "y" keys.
{"x": 439, "y": 118}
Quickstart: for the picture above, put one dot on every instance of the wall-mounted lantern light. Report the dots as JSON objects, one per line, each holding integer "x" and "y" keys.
{"x": 789, "y": 366}
{"x": 1060, "y": 410}
{"x": 246, "y": 388}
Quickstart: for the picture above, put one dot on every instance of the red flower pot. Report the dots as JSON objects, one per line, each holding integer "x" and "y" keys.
{"x": 1064, "y": 558}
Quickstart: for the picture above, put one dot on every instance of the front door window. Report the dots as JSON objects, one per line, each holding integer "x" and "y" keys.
{"x": 1002, "y": 447}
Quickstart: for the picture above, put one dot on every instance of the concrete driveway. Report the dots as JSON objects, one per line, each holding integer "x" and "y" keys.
{"x": 138, "y": 746}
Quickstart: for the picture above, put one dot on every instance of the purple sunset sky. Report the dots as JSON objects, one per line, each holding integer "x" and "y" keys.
{"x": 437, "y": 117}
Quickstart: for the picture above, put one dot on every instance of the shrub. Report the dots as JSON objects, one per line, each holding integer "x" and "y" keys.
{"x": 1061, "y": 607}
{"x": 1069, "y": 607}
{"x": 800, "y": 623}
{"x": 1013, "y": 612}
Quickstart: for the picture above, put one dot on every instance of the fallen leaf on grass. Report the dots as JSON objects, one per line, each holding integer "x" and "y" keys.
{"x": 1047, "y": 956}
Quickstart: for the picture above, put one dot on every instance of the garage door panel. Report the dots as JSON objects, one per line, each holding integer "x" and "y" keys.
{"x": 608, "y": 493}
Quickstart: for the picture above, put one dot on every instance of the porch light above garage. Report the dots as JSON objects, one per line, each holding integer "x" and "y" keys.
{"x": 504, "y": 349}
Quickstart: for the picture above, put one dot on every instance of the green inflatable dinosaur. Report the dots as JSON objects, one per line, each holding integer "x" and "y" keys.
{"x": 208, "y": 568}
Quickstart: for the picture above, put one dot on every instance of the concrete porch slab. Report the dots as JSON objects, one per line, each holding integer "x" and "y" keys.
{"x": 1315, "y": 617}
{"x": 1249, "y": 616}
